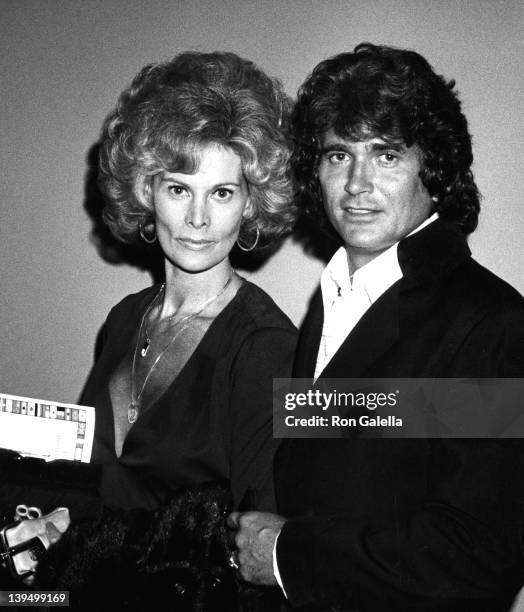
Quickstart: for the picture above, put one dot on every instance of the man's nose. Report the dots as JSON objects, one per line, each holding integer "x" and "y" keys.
{"x": 359, "y": 178}
{"x": 197, "y": 213}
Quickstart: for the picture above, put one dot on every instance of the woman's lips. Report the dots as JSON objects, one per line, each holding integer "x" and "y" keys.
{"x": 196, "y": 245}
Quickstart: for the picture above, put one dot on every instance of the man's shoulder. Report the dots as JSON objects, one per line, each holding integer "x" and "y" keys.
{"x": 474, "y": 283}
{"x": 439, "y": 257}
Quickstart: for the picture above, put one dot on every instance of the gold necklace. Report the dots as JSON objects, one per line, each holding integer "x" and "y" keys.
{"x": 133, "y": 408}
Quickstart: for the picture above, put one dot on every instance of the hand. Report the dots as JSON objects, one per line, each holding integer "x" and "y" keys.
{"x": 255, "y": 539}
{"x": 48, "y": 529}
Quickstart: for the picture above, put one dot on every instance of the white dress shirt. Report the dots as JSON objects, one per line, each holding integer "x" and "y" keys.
{"x": 346, "y": 299}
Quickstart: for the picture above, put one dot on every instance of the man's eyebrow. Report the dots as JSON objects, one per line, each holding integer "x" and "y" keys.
{"x": 388, "y": 146}
{"x": 337, "y": 145}
{"x": 334, "y": 146}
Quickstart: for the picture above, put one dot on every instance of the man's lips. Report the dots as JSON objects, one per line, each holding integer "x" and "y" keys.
{"x": 360, "y": 211}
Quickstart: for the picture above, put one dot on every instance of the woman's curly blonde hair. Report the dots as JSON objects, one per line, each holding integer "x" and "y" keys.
{"x": 170, "y": 112}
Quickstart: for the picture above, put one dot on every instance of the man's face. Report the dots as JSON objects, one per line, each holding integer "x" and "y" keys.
{"x": 372, "y": 193}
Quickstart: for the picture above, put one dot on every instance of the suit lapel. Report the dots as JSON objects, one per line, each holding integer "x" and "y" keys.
{"x": 424, "y": 258}
{"x": 309, "y": 339}
{"x": 376, "y": 331}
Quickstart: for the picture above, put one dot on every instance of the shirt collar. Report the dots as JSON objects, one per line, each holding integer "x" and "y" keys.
{"x": 429, "y": 220}
{"x": 335, "y": 277}
{"x": 375, "y": 277}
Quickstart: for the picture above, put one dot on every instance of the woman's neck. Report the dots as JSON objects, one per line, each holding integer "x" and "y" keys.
{"x": 186, "y": 292}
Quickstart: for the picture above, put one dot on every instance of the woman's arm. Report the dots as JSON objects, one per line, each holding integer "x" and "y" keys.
{"x": 265, "y": 354}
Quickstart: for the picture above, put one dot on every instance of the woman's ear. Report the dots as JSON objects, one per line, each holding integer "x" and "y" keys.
{"x": 249, "y": 209}
{"x": 144, "y": 191}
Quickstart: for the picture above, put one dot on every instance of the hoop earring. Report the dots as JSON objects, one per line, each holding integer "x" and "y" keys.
{"x": 149, "y": 238}
{"x": 247, "y": 249}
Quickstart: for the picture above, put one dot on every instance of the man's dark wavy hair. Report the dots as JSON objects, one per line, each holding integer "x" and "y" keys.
{"x": 395, "y": 94}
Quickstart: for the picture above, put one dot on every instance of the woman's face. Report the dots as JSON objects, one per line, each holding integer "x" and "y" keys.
{"x": 198, "y": 215}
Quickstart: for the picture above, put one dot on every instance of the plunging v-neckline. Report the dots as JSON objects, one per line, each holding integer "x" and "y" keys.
{"x": 143, "y": 416}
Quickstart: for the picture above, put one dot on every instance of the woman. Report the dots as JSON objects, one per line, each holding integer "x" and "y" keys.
{"x": 193, "y": 157}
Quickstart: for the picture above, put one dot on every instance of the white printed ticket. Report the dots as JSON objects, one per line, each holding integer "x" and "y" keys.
{"x": 46, "y": 430}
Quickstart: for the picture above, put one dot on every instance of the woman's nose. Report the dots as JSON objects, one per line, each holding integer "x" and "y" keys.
{"x": 197, "y": 214}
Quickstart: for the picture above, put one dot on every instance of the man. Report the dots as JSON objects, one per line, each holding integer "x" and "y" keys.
{"x": 385, "y": 524}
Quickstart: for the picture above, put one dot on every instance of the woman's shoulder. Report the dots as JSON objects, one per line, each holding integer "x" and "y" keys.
{"x": 257, "y": 337}
{"x": 132, "y": 304}
{"x": 260, "y": 310}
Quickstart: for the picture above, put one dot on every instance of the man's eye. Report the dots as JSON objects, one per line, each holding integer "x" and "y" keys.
{"x": 388, "y": 158}
{"x": 223, "y": 194}
{"x": 338, "y": 158}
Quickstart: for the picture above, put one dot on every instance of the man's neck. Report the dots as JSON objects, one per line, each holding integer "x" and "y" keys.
{"x": 358, "y": 259}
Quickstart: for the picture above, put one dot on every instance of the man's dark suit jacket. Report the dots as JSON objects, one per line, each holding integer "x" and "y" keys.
{"x": 434, "y": 524}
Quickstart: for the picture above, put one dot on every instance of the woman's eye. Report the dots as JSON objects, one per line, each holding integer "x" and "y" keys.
{"x": 223, "y": 194}
{"x": 177, "y": 190}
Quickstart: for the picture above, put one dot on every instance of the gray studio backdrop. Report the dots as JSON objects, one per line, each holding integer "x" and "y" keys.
{"x": 63, "y": 63}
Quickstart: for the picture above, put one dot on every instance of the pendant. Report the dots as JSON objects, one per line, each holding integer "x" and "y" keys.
{"x": 132, "y": 413}
{"x": 145, "y": 347}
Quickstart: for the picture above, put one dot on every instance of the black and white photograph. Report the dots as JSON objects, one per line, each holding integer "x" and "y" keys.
{"x": 220, "y": 219}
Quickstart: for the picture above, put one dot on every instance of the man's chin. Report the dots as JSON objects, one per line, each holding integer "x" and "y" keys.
{"x": 367, "y": 242}
{"x": 362, "y": 252}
